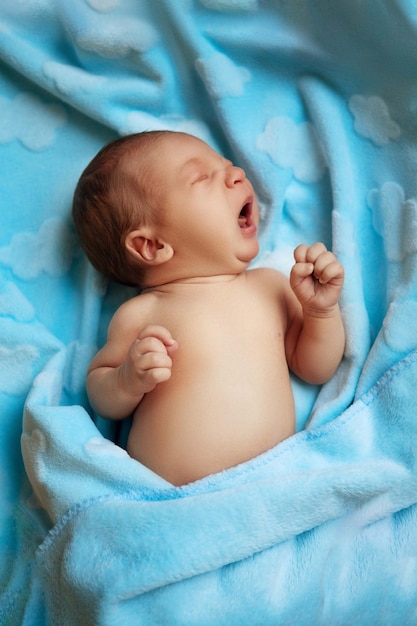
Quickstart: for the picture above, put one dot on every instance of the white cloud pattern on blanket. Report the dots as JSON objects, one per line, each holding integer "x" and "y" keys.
{"x": 68, "y": 79}
{"x": 50, "y": 250}
{"x": 222, "y": 77}
{"x": 398, "y": 317}
{"x": 293, "y": 146}
{"x": 395, "y": 219}
{"x": 16, "y": 368}
{"x": 17, "y": 117}
{"x": 117, "y": 38}
{"x": 373, "y": 120}
{"x": 14, "y": 304}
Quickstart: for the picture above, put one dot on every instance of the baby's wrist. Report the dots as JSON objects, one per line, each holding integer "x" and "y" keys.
{"x": 124, "y": 387}
{"x": 330, "y": 312}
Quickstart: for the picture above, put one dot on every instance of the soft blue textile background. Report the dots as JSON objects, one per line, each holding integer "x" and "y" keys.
{"x": 317, "y": 101}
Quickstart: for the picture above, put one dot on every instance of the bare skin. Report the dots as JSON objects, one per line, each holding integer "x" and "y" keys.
{"x": 201, "y": 358}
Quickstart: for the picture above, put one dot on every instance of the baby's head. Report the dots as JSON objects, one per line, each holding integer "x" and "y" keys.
{"x": 160, "y": 206}
{"x": 115, "y": 194}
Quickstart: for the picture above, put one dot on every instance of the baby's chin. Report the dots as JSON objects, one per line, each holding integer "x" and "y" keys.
{"x": 247, "y": 256}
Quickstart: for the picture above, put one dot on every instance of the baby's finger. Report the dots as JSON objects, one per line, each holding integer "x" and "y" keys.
{"x": 332, "y": 272}
{"x": 299, "y": 272}
{"x": 300, "y": 253}
{"x": 155, "y": 376}
{"x": 148, "y": 345}
{"x": 159, "y": 332}
{"x": 302, "y": 270}
{"x": 155, "y": 360}
{"x": 314, "y": 251}
{"x": 321, "y": 262}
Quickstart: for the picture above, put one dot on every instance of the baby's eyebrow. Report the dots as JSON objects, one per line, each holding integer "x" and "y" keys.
{"x": 196, "y": 164}
{"x": 190, "y": 166}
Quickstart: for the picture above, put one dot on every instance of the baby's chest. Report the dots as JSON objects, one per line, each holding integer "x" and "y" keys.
{"x": 225, "y": 335}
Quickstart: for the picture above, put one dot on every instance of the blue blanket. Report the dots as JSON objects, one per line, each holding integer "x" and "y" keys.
{"x": 317, "y": 101}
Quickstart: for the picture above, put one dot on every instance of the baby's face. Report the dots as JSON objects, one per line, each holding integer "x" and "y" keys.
{"x": 209, "y": 205}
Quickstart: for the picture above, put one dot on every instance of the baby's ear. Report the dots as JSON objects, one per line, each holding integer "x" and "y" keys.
{"x": 146, "y": 247}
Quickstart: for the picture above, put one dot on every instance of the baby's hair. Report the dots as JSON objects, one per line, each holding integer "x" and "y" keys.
{"x": 109, "y": 200}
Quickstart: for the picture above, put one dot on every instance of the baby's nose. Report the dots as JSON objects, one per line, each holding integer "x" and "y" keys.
{"x": 234, "y": 175}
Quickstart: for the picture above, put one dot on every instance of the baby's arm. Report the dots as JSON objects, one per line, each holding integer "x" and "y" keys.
{"x": 129, "y": 365}
{"x": 315, "y": 338}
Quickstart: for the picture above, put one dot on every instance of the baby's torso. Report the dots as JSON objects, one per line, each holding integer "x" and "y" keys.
{"x": 229, "y": 396}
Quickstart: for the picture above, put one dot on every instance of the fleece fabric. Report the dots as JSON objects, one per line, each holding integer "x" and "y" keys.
{"x": 317, "y": 101}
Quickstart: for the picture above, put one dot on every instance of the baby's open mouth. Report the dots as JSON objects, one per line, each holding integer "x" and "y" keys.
{"x": 245, "y": 215}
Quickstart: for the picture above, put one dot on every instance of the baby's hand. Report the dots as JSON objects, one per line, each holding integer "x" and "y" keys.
{"x": 148, "y": 361}
{"x": 317, "y": 277}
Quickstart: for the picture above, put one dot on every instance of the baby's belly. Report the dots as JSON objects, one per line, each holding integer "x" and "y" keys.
{"x": 192, "y": 431}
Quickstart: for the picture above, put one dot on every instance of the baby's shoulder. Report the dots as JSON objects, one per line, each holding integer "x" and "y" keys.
{"x": 133, "y": 313}
{"x": 268, "y": 278}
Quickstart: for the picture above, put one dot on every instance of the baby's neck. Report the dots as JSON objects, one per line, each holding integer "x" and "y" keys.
{"x": 193, "y": 280}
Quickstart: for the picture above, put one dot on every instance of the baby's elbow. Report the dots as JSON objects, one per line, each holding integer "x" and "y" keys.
{"x": 318, "y": 374}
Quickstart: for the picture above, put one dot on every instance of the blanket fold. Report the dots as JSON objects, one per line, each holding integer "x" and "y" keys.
{"x": 109, "y": 551}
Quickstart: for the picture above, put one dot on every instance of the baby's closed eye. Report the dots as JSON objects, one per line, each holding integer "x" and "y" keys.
{"x": 200, "y": 178}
